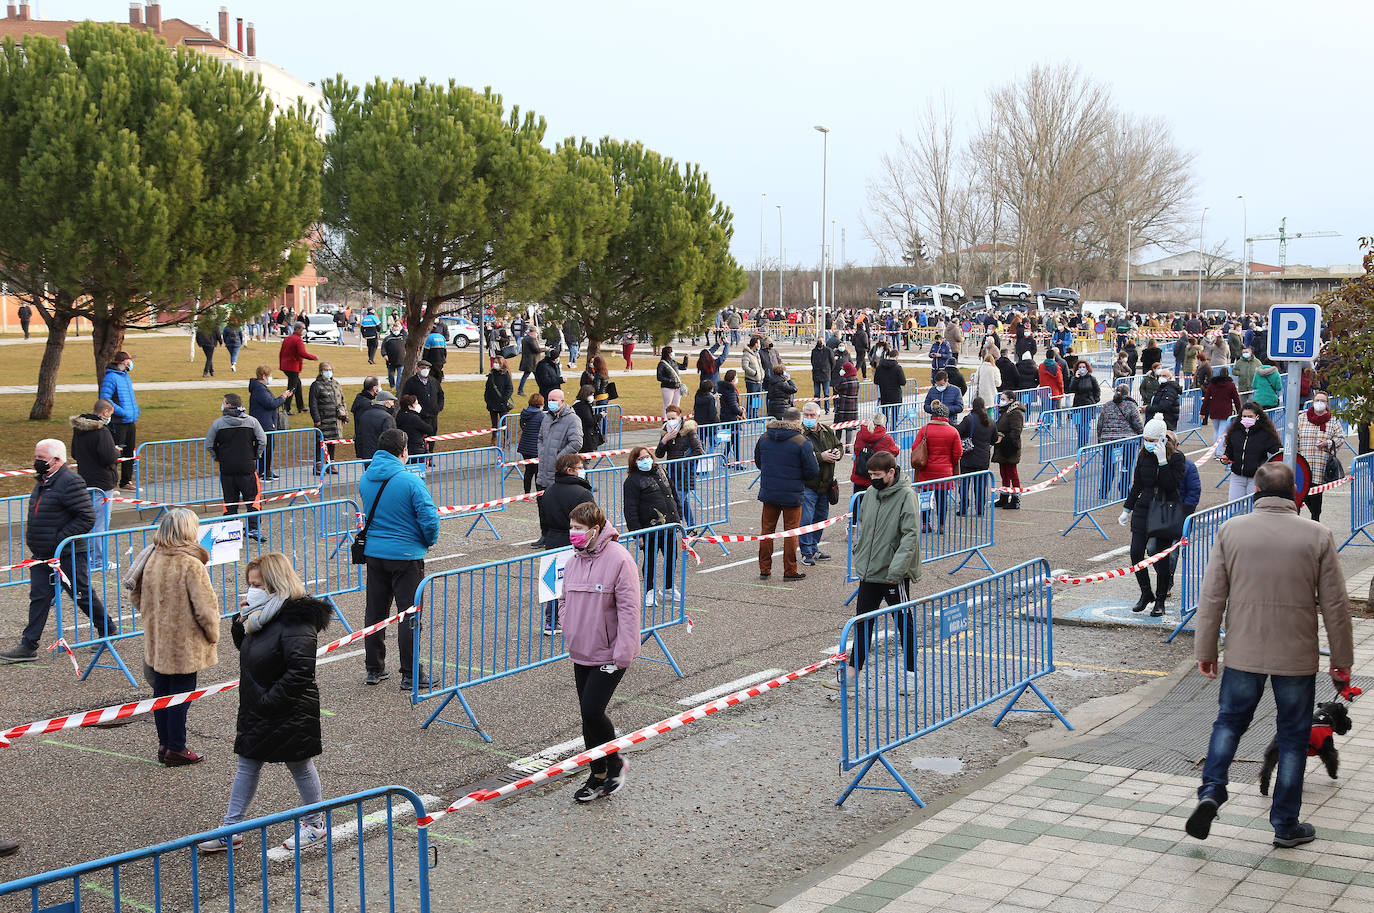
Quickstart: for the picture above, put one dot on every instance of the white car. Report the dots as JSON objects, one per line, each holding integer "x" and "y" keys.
{"x": 1018, "y": 290}
{"x": 321, "y": 328}
{"x": 947, "y": 290}
{"x": 460, "y": 331}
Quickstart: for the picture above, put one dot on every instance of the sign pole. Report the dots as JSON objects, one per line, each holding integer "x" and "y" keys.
{"x": 1292, "y": 409}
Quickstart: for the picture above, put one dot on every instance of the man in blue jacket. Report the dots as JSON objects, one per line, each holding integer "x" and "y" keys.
{"x": 403, "y": 525}
{"x": 945, "y": 392}
{"x": 116, "y": 387}
{"x": 786, "y": 461}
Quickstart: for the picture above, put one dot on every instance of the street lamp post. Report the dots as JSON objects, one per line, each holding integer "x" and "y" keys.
{"x": 833, "y": 261}
{"x": 1201, "y": 226}
{"x": 763, "y": 200}
{"x": 1244, "y": 250}
{"x": 825, "y": 163}
{"x": 779, "y": 257}
{"x": 1129, "y": 223}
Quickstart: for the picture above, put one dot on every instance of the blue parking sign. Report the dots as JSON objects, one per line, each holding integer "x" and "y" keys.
{"x": 1294, "y": 332}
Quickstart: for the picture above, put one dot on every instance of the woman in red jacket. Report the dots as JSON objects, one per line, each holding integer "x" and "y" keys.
{"x": 1220, "y": 403}
{"x": 944, "y": 449}
{"x": 871, "y": 438}
{"x": 291, "y": 359}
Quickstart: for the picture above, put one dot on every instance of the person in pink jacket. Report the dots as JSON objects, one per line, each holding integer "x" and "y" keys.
{"x": 601, "y": 615}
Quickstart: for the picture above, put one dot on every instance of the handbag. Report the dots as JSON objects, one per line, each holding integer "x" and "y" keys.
{"x": 920, "y": 454}
{"x": 355, "y": 549}
{"x": 1165, "y": 517}
{"x": 611, "y": 391}
{"x": 508, "y": 352}
{"x": 1334, "y": 470}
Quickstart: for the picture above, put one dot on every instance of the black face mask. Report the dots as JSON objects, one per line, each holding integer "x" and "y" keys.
{"x": 880, "y": 484}
{"x": 41, "y": 467}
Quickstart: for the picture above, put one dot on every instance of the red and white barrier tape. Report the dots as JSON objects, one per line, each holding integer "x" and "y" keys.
{"x": 1121, "y": 571}
{"x": 1040, "y": 486}
{"x": 633, "y": 738}
{"x": 66, "y": 648}
{"x": 13, "y": 473}
{"x": 486, "y": 505}
{"x": 784, "y": 534}
{"x": 1319, "y": 489}
{"x": 288, "y": 496}
{"x": 135, "y": 708}
{"x": 586, "y": 456}
{"x": 28, "y": 562}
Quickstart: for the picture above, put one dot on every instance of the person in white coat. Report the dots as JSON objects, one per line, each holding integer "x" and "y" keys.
{"x": 983, "y": 383}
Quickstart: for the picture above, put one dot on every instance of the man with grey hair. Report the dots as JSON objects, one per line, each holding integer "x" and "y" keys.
{"x": 816, "y": 493}
{"x": 59, "y": 508}
{"x": 1270, "y": 574}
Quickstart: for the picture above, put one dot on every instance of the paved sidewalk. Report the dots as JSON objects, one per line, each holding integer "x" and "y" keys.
{"x": 1066, "y": 836}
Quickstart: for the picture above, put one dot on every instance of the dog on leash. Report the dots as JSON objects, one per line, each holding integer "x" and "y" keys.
{"x": 1331, "y": 718}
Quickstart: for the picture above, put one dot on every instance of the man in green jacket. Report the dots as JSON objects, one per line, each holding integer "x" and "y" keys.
{"x": 887, "y": 557}
{"x": 816, "y": 495}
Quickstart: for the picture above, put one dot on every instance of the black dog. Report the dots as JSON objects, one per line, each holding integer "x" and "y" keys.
{"x": 1331, "y": 717}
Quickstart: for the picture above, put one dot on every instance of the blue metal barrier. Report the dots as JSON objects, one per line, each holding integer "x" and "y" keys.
{"x": 1361, "y": 499}
{"x": 1200, "y": 529}
{"x": 1062, "y": 432}
{"x": 612, "y": 425}
{"x": 183, "y": 472}
{"x": 704, "y": 496}
{"x": 1190, "y": 417}
{"x": 314, "y": 536}
{"x": 470, "y": 476}
{"x": 16, "y": 514}
{"x": 957, "y": 518}
{"x": 491, "y": 620}
{"x": 928, "y": 662}
{"x": 1103, "y": 478}
{"x": 261, "y": 873}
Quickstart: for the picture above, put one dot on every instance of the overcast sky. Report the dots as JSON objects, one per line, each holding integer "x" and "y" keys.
{"x": 1271, "y": 97}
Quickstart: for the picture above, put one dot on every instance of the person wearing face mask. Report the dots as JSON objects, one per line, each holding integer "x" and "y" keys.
{"x": 650, "y": 499}
{"x": 1319, "y": 436}
{"x": 117, "y": 387}
{"x": 1159, "y": 473}
{"x": 560, "y": 432}
{"x": 1245, "y": 374}
{"x": 1164, "y": 402}
{"x": 678, "y": 442}
{"x": 237, "y": 441}
{"x": 942, "y": 391}
{"x": 1220, "y": 402}
{"x": 786, "y": 461}
{"x": 327, "y": 410}
{"x": 394, "y": 354}
{"x": 823, "y": 490}
{"x": 601, "y": 623}
{"x": 416, "y": 427}
{"x": 372, "y": 421}
{"x": 669, "y": 377}
{"x": 1250, "y": 443}
{"x": 1083, "y": 390}
{"x": 96, "y": 458}
{"x": 569, "y": 489}
{"x": 1118, "y": 420}
{"x": 585, "y": 407}
{"x": 548, "y": 376}
{"x": 428, "y": 392}
{"x": 291, "y": 358}
{"x": 263, "y": 406}
{"x": 1006, "y": 449}
{"x": 276, "y": 632}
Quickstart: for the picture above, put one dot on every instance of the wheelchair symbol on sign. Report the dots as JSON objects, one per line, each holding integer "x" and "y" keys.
{"x": 1299, "y": 347}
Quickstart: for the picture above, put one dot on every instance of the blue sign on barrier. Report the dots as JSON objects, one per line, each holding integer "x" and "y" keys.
{"x": 314, "y": 536}
{"x": 913, "y": 674}
{"x": 352, "y": 868}
{"x": 1361, "y": 499}
{"x": 1200, "y": 533}
{"x": 1103, "y": 478}
{"x": 491, "y": 620}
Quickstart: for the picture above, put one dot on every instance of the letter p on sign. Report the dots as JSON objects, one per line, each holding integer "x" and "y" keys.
{"x": 1294, "y": 332}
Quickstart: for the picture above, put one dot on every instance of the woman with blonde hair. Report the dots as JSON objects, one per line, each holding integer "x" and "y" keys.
{"x": 173, "y": 592}
{"x": 276, "y": 632}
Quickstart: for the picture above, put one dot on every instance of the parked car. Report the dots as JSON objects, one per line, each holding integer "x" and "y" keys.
{"x": 459, "y": 331}
{"x": 1065, "y": 297}
{"x": 1018, "y": 290}
{"x": 947, "y": 290}
{"x": 321, "y": 328}
{"x": 896, "y": 290}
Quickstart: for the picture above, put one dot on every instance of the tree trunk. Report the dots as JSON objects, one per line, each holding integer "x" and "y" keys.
{"x": 107, "y": 337}
{"x": 52, "y": 360}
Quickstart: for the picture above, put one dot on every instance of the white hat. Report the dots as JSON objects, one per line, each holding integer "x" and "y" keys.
{"x": 1155, "y": 428}
{"x": 1025, "y": 356}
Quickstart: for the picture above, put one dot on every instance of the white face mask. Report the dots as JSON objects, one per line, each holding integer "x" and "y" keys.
{"x": 415, "y": 408}
{"x": 582, "y": 473}
{"x": 1319, "y": 406}
{"x": 256, "y": 597}
{"x": 424, "y": 372}
{"x": 1082, "y": 372}
{"x": 672, "y": 424}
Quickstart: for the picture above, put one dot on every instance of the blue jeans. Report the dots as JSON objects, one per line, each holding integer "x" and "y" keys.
{"x": 753, "y": 398}
{"x": 1240, "y": 695}
{"x": 95, "y": 547}
{"x": 572, "y": 353}
{"x": 815, "y": 508}
{"x": 820, "y": 389}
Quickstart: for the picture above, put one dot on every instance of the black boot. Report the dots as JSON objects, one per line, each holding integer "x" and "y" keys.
{"x": 1145, "y": 599}
{"x": 1014, "y": 503}
{"x": 1158, "y": 610}
{"x": 1001, "y": 501}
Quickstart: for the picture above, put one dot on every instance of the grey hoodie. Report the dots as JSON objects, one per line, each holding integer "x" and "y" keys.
{"x": 559, "y": 433}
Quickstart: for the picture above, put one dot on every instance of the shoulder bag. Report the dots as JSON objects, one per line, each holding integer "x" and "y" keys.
{"x": 1165, "y": 517}
{"x": 1334, "y": 470}
{"x": 360, "y": 541}
{"x": 920, "y": 454}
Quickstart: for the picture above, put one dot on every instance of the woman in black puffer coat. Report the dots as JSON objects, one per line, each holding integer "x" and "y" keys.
{"x": 651, "y": 500}
{"x": 277, "y": 635}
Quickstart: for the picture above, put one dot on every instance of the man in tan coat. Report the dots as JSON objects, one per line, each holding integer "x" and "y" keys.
{"x": 1270, "y": 573}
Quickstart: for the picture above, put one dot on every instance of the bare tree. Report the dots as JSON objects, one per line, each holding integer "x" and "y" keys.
{"x": 915, "y": 194}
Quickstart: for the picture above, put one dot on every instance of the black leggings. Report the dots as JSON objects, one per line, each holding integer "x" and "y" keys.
{"x": 1314, "y": 504}
{"x": 1164, "y": 569}
{"x": 868, "y": 598}
{"x": 594, "y": 690}
{"x": 531, "y": 471}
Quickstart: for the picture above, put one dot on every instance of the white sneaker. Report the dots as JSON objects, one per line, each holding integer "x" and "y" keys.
{"x": 310, "y": 835}
{"x": 219, "y": 844}
{"x": 649, "y": 599}
{"x": 908, "y": 683}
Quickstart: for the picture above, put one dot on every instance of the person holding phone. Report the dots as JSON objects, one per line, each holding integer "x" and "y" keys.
{"x": 600, "y": 614}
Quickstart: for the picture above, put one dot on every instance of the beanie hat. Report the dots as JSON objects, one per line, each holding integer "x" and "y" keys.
{"x": 940, "y": 409}
{"x": 1155, "y": 428}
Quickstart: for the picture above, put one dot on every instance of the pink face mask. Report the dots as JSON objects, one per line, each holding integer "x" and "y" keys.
{"x": 579, "y": 538}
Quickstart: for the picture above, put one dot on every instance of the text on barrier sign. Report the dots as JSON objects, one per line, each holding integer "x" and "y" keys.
{"x": 953, "y": 620}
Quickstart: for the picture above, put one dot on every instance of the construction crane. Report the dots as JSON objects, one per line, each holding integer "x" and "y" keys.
{"x": 1283, "y": 237}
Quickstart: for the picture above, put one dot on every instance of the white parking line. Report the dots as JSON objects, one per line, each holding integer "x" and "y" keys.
{"x": 728, "y": 687}
{"x": 1112, "y": 554}
{"x": 547, "y": 756}
{"x": 346, "y": 829}
{"x": 721, "y": 567}
{"x": 445, "y": 557}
